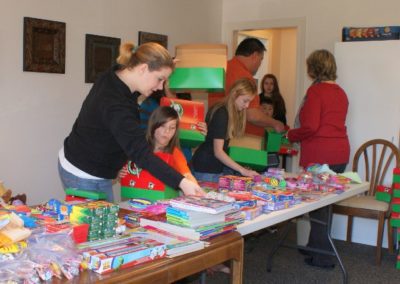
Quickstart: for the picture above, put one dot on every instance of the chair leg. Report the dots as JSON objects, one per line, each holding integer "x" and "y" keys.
{"x": 381, "y": 225}
{"x": 390, "y": 237}
{"x": 349, "y": 228}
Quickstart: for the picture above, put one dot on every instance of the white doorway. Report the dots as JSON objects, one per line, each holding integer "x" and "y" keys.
{"x": 294, "y": 96}
{"x": 279, "y": 59}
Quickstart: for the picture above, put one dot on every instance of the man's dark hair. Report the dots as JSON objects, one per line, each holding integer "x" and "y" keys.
{"x": 250, "y": 45}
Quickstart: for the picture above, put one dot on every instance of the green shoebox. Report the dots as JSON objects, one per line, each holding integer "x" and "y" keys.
{"x": 396, "y": 208}
{"x": 396, "y": 193}
{"x": 273, "y": 141}
{"x": 395, "y": 222}
{"x": 396, "y": 178}
{"x": 96, "y": 195}
{"x": 190, "y": 138}
{"x": 153, "y": 195}
{"x": 398, "y": 264}
{"x": 211, "y": 79}
{"x": 254, "y": 159}
{"x": 383, "y": 196}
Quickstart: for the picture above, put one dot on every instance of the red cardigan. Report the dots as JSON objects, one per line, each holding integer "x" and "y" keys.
{"x": 323, "y": 134}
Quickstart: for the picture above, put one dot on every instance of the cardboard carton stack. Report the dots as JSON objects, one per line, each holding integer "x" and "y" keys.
{"x": 395, "y": 215}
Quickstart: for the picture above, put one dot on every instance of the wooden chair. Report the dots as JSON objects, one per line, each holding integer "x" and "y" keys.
{"x": 379, "y": 156}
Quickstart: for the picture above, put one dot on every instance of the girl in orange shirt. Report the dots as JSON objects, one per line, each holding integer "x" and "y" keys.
{"x": 162, "y": 135}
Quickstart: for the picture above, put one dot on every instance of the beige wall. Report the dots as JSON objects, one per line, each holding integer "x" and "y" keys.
{"x": 38, "y": 109}
{"x": 323, "y": 20}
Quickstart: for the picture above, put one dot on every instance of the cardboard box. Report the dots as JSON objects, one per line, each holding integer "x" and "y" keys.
{"x": 109, "y": 258}
{"x": 273, "y": 140}
{"x": 153, "y": 195}
{"x": 199, "y": 67}
{"x": 247, "y": 141}
{"x": 255, "y": 159}
{"x": 190, "y": 113}
{"x": 201, "y": 55}
{"x": 210, "y": 79}
{"x": 138, "y": 183}
{"x": 190, "y": 139}
{"x": 383, "y": 193}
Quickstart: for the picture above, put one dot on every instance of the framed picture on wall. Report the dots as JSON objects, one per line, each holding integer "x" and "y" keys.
{"x": 151, "y": 37}
{"x": 44, "y": 46}
{"x": 101, "y": 53}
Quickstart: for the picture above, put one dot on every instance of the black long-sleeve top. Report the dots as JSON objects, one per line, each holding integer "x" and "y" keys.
{"x": 107, "y": 133}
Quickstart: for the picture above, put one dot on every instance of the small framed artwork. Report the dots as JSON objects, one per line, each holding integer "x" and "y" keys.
{"x": 44, "y": 46}
{"x": 151, "y": 37}
{"x": 101, "y": 53}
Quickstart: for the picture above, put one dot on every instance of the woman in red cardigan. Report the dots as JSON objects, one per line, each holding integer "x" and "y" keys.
{"x": 321, "y": 131}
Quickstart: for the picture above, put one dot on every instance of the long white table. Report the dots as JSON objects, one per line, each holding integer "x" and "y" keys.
{"x": 276, "y": 217}
{"x": 267, "y": 220}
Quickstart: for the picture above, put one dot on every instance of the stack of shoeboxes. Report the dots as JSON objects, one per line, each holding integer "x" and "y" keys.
{"x": 139, "y": 183}
{"x": 253, "y": 151}
{"x": 395, "y": 217}
{"x": 102, "y": 217}
{"x": 200, "y": 68}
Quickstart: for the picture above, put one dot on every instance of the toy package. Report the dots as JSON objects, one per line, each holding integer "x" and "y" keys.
{"x": 370, "y": 33}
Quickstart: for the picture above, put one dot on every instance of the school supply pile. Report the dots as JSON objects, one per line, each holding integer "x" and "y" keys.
{"x": 175, "y": 244}
{"x": 201, "y": 204}
{"x": 101, "y": 216}
{"x": 198, "y": 218}
{"x": 120, "y": 252}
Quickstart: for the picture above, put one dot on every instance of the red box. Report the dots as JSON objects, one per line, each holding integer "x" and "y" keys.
{"x": 80, "y": 233}
{"x": 190, "y": 112}
{"x": 132, "y": 176}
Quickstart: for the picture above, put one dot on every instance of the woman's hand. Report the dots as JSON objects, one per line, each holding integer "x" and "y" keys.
{"x": 190, "y": 188}
{"x": 202, "y": 127}
{"x": 248, "y": 173}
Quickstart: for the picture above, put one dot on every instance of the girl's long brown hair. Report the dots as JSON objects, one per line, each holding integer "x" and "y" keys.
{"x": 160, "y": 116}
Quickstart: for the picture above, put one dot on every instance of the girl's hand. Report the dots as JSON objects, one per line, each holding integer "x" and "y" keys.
{"x": 279, "y": 126}
{"x": 190, "y": 188}
{"x": 202, "y": 127}
{"x": 248, "y": 173}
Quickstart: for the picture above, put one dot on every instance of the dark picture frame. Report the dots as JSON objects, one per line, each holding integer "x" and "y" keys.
{"x": 152, "y": 37}
{"x": 44, "y": 46}
{"x": 101, "y": 53}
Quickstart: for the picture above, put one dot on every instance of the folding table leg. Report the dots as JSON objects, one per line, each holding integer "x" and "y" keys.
{"x": 277, "y": 245}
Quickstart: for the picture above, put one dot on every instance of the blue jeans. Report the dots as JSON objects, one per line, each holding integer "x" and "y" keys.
{"x": 71, "y": 181}
{"x": 209, "y": 177}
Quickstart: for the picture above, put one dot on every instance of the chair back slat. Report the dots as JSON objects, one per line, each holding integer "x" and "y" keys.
{"x": 378, "y": 156}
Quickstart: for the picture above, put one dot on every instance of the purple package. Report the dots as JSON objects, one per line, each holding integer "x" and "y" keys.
{"x": 224, "y": 182}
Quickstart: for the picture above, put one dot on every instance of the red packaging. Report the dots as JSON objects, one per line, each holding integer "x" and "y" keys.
{"x": 190, "y": 112}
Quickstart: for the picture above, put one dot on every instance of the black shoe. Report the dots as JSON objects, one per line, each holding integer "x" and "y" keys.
{"x": 311, "y": 261}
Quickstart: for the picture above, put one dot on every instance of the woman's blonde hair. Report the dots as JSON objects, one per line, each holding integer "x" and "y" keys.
{"x": 321, "y": 66}
{"x": 236, "y": 118}
{"x": 151, "y": 53}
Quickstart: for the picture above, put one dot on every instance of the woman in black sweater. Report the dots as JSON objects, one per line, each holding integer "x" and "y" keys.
{"x": 107, "y": 130}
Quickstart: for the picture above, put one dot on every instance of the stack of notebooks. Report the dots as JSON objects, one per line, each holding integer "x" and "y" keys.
{"x": 198, "y": 218}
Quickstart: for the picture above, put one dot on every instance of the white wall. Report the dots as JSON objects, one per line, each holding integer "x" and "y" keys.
{"x": 38, "y": 109}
